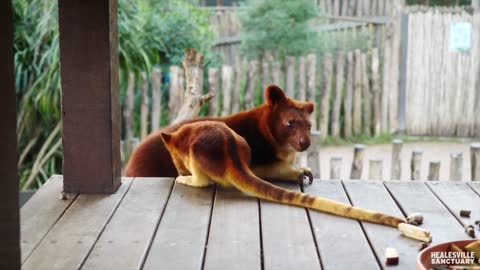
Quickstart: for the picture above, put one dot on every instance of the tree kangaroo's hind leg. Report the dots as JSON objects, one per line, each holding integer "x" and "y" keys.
{"x": 197, "y": 179}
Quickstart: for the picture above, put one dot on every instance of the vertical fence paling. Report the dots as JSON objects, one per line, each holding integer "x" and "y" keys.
{"x": 335, "y": 126}
{"x": 325, "y": 95}
{"x": 251, "y": 84}
{"x": 290, "y": 75}
{"x": 396, "y": 169}
{"x": 213, "y": 84}
{"x": 227, "y": 76}
{"x": 156, "y": 98}
{"x": 312, "y": 85}
{"x": 416, "y": 164}
{"x": 357, "y": 163}
{"x": 347, "y": 107}
{"x": 475, "y": 161}
{"x": 335, "y": 167}
{"x": 456, "y": 164}
{"x": 144, "y": 107}
{"x": 128, "y": 106}
{"x": 357, "y": 94}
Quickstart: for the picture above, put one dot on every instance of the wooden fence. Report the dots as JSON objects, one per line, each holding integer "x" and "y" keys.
{"x": 442, "y": 84}
{"x": 377, "y": 166}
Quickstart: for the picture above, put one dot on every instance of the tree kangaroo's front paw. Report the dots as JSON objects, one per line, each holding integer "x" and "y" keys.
{"x": 305, "y": 174}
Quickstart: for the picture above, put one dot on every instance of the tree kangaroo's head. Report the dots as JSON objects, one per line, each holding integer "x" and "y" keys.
{"x": 289, "y": 119}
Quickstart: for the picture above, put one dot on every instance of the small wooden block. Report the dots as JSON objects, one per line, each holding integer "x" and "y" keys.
{"x": 391, "y": 256}
{"x": 465, "y": 213}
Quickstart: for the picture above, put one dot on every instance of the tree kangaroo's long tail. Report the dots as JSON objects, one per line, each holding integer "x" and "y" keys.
{"x": 244, "y": 179}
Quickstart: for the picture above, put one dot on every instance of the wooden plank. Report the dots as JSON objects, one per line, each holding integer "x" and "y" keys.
{"x": 128, "y": 234}
{"x": 373, "y": 195}
{"x": 286, "y": 236}
{"x": 457, "y": 196}
{"x": 234, "y": 232}
{"x": 41, "y": 212}
{"x": 9, "y": 216}
{"x": 180, "y": 239}
{"x": 416, "y": 197}
{"x": 68, "y": 244}
{"x": 335, "y": 235}
{"x": 91, "y": 127}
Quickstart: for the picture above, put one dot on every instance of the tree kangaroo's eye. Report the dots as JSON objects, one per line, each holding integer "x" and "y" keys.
{"x": 290, "y": 124}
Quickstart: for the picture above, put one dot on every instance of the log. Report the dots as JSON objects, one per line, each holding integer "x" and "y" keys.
{"x": 156, "y": 98}
{"x": 396, "y": 160}
{"x": 375, "y": 169}
{"x": 129, "y": 106}
{"x": 213, "y": 85}
{"x": 325, "y": 97}
{"x": 357, "y": 94}
{"x": 335, "y": 167}
{"x": 193, "y": 65}
{"x": 290, "y": 74}
{"x": 302, "y": 79}
{"x": 367, "y": 97}
{"x": 357, "y": 164}
{"x": 416, "y": 164}
{"x": 313, "y": 155}
{"x": 312, "y": 86}
{"x": 240, "y": 70}
{"x": 335, "y": 126}
{"x": 434, "y": 170}
{"x": 376, "y": 93}
{"x": 347, "y": 104}
{"x": 144, "y": 107}
{"x": 456, "y": 165}
{"x": 251, "y": 83}
{"x": 227, "y": 75}
{"x": 475, "y": 161}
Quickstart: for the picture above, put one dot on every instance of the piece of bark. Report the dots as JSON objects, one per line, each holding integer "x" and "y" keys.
{"x": 465, "y": 213}
{"x": 194, "y": 98}
{"x": 415, "y": 232}
{"x": 391, "y": 256}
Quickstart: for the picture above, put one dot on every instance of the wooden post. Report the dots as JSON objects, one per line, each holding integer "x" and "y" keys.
{"x": 338, "y": 94}
{"x": 290, "y": 74}
{"x": 227, "y": 75}
{"x": 156, "y": 98}
{"x": 375, "y": 169}
{"x": 276, "y": 72}
{"x": 357, "y": 164}
{"x": 128, "y": 108}
{"x": 357, "y": 94}
{"x": 173, "y": 105}
{"x": 434, "y": 170}
{"x": 396, "y": 160}
{"x": 213, "y": 86}
{"x": 144, "y": 107}
{"x": 347, "y": 104}
{"x": 475, "y": 161}
{"x": 367, "y": 97}
{"x": 251, "y": 83}
{"x": 377, "y": 105}
{"x": 416, "y": 164}
{"x": 312, "y": 86}
{"x": 313, "y": 154}
{"x": 302, "y": 79}
{"x": 90, "y": 99}
{"x": 9, "y": 214}
{"x": 335, "y": 167}
{"x": 325, "y": 98}
{"x": 456, "y": 165}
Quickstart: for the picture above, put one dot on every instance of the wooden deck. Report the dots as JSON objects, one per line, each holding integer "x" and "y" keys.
{"x": 152, "y": 223}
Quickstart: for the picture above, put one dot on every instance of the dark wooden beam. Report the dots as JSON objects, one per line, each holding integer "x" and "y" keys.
{"x": 90, "y": 104}
{"x": 9, "y": 217}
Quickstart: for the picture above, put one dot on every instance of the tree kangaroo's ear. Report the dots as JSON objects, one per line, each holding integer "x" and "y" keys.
{"x": 274, "y": 94}
{"x": 166, "y": 137}
{"x": 309, "y": 107}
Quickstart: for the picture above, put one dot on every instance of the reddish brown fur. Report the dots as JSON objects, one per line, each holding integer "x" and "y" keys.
{"x": 268, "y": 129}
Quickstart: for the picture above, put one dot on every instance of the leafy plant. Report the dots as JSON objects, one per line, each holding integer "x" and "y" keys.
{"x": 278, "y": 26}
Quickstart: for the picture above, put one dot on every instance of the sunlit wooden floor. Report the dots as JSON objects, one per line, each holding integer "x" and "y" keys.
{"x": 152, "y": 223}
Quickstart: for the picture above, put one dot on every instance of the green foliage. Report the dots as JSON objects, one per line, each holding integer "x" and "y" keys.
{"x": 151, "y": 32}
{"x": 277, "y": 25}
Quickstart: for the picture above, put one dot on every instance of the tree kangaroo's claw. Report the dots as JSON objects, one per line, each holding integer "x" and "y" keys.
{"x": 305, "y": 175}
